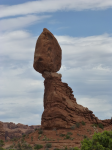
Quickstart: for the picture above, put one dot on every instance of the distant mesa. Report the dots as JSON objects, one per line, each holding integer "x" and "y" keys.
{"x": 10, "y": 130}
{"x": 61, "y": 110}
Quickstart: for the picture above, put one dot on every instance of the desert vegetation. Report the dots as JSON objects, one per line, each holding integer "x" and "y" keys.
{"x": 99, "y": 141}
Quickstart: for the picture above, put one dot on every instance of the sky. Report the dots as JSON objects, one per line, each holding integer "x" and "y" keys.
{"x": 83, "y": 29}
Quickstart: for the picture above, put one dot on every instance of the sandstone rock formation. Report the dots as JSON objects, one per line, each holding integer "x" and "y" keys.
{"x": 60, "y": 107}
{"x": 47, "y": 55}
{"x": 2, "y": 132}
{"x": 10, "y": 130}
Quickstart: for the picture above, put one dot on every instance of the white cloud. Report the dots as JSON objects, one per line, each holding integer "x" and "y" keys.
{"x": 52, "y": 6}
{"x": 87, "y": 52}
{"x": 17, "y": 45}
{"x": 20, "y": 22}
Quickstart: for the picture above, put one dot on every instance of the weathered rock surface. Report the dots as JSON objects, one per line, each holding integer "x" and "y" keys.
{"x": 61, "y": 110}
{"x": 2, "y": 132}
{"x": 60, "y": 107}
{"x": 47, "y": 55}
{"x": 12, "y": 130}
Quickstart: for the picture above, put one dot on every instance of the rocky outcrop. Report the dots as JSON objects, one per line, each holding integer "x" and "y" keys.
{"x": 60, "y": 107}
{"x": 2, "y": 132}
{"x": 47, "y": 50}
{"x": 12, "y": 130}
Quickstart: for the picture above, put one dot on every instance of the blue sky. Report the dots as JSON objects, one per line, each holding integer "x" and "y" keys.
{"x": 84, "y": 31}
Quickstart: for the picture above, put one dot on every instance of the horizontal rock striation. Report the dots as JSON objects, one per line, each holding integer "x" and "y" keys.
{"x": 60, "y": 107}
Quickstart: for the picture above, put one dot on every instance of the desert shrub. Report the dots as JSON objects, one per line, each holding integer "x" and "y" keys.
{"x": 77, "y": 125}
{"x": 62, "y": 135}
{"x": 24, "y": 135}
{"x": 1, "y": 148}
{"x": 22, "y": 140}
{"x": 72, "y": 148}
{"x": 83, "y": 123}
{"x": 18, "y": 145}
{"x": 35, "y": 129}
{"x": 94, "y": 125}
{"x": 99, "y": 141}
{"x": 56, "y": 148}
{"x": 100, "y": 126}
{"x": 40, "y": 131}
{"x": 72, "y": 127}
{"x": 48, "y": 145}
{"x": 37, "y": 146}
{"x": 67, "y": 136}
{"x": 69, "y": 133}
{"x": 1, "y": 143}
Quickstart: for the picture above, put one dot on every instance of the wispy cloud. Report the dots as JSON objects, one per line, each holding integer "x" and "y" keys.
{"x": 53, "y": 6}
{"x": 20, "y": 22}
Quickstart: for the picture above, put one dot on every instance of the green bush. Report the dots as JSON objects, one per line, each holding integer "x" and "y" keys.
{"x": 83, "y": 123}
{"x": 100, "y": 126}
{"x": 40, "y": 131}
{"x": 22, "y": 140}
{"x": 56, "y": 149}
{"x": 94, "y": 125}
{"x": 1, "y": 143}
{"x": 1, "y": 148}
{"x": 67, "y": 136}
{"x": 48, "y": 145}
{"x": 99, "y": 141}
{"x": 77, "y": 125}
{"x": 24, "y": 135}
{"x": 62, "y": 135}
{"x": 35, "y": 129}
{"x": 37, "y": 146}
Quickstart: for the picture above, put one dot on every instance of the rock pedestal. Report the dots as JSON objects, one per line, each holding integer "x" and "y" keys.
{"x": 60, "y": 107}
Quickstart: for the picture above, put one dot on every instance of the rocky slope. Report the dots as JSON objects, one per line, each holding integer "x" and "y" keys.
{"x": 60, "y": 138}
{"x": 9, "y": 130}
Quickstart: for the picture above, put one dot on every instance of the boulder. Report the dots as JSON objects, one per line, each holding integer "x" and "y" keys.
{"x": 47, "y": 56}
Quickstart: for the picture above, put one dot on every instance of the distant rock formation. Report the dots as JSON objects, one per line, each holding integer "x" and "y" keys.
{"x": 2, "y": 132}
{"x": 60, "y": 107}
{"x": 10, "y": 130}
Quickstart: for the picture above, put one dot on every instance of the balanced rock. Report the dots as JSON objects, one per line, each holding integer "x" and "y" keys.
{"x": 61, "y": 110}
{"x": 47, "y": 56}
